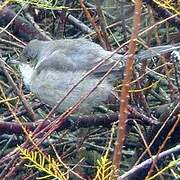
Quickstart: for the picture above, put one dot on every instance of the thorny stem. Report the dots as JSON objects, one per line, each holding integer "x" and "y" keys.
{"x": 126, "y": 86}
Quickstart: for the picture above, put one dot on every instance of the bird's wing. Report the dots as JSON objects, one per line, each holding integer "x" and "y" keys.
{"x": 156, "y": 51}
{"x": 77, "y": 58}
{"x": 142, "y": 55}
{"x": 55, "y": 61}
{"x": 83, "y": 59}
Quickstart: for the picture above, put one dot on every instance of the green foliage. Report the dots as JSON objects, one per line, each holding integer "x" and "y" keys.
{"x": 169, "y": 4}
{"x": 169, "y": 166}
{"x": 43, "y": 164}
{"x": 104, "y": 168}
{"x": 42, "y": 4}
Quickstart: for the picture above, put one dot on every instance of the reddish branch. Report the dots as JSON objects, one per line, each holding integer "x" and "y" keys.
{"x": 126, "y": 86}
{"x": 76, "y": 122}
{"x": 91, "y": 20}
{"x": 163, "y": 145}
{"x": 102, "y": 23}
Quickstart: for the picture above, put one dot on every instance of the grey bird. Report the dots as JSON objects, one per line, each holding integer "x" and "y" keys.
{"x": 56, "y": 66}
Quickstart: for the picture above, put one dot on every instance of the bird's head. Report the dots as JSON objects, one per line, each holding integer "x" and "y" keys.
{"x": 30, "y": 53}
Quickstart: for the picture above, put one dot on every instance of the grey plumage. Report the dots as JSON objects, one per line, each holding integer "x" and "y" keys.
{"x": 58, "y": 65}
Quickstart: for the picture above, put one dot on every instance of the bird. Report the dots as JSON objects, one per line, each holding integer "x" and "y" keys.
{"x": 54, "y": 67}
{"x": 51, "y": 68}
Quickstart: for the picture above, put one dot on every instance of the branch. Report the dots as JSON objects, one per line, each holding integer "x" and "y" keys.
{"x": 164, "y": 13}
{"x": 126, "y": 86}
{"x": 82, "y": 121}
{"x": 144, "y": 166}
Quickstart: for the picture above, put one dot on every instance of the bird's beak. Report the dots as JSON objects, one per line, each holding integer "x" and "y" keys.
{"x": 14, "y": 62}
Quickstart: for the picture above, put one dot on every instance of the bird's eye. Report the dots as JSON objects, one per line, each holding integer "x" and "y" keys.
{"x": 28, "y": 60}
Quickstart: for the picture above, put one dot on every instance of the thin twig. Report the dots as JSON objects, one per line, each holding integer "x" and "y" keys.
{"x": 26, "y": 105}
